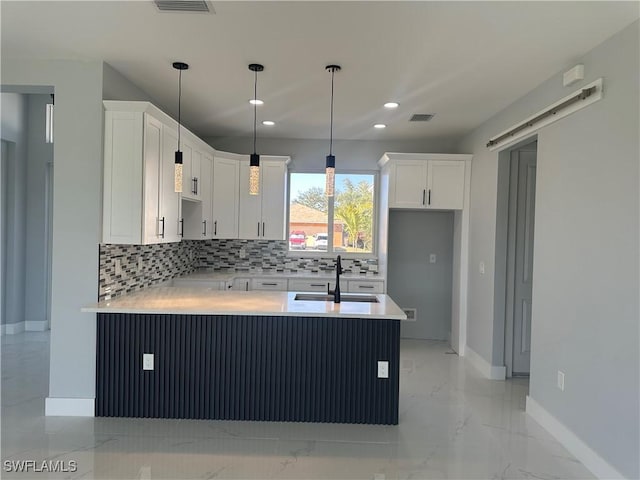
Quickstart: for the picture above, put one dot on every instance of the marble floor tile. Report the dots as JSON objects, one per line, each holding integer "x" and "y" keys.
{"x": 454, "y": 424}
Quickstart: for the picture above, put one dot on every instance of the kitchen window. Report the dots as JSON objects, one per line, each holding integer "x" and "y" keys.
{"x": 326, "y": 225}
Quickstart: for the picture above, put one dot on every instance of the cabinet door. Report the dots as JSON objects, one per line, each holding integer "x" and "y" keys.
{"x": 225, "y": 197}
{"x": 242, "y": 284}
{"x": 408, "y": 186}
{"x": 446, "y": 185}
{"x": 250, "y": 224}
{"x": 169, "y": 199}
{"x": 123, "y": 178}
{"x": 273, "y": 195}
{"x": 205, "y": 192}
{"x": 191, "y": 185}
{"x": 277, "y": 284}
{"x": 152, "y": 227}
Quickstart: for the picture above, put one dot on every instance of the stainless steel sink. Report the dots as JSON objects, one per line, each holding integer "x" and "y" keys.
{"x": 323, "y": 297}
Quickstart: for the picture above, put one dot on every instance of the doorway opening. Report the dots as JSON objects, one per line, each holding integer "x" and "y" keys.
{"x": 515, "y": 251}
{"x": 26, "y": 205}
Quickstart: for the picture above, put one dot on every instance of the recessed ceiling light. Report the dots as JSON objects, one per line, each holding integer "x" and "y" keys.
{"x": 257, "y": 101}
{"x": 269, "y": 123}
{"x": 391, "y": 105}
{"x": 379, "y": 125}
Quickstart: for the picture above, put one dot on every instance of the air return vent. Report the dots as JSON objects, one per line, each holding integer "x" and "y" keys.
{"x": 421, "y": 117}
{"x": 182, "y": 6}
{"x": 412, "y": 314}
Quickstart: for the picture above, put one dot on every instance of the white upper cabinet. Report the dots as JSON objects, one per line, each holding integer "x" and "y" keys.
{"x": 426, "y": 181}
{"x": 191, "y": 175}
{"x": 263, "y": 216}
{"x": 198, "y": 216}
{"x": 140, "y": 205}
{"x": 226, "y": 182}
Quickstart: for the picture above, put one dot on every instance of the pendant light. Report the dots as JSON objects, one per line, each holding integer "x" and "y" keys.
{"x": 177, "y": 180}
{"x": 331, "y": 159}
{"x": 254, "y": 159}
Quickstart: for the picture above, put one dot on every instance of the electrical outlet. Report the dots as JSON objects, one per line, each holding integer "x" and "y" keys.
{"x": 118, "y": 266}
{"x": 561, "y": 380}
{"x": 481, "y": 268}
{"x": 140, "y": 264}
{"x": 432, "y": 258}
{"x": 243, "y": 253}
{"x": 147, "y": 361}
{"x": 383, "y": 369}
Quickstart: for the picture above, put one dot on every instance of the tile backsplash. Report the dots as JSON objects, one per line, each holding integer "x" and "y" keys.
{"x": 127, "y": 268}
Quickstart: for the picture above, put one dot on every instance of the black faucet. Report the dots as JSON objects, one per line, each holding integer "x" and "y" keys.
{"x": 336, "y": 291}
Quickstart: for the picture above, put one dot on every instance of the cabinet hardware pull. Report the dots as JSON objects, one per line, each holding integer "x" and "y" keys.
{"x": 365, "y": 286}
{"x": 269, "y": 284}
{"x": 182, "y": 227}
{"x": 215, "y": 227}
{"x": 429, "y": 196}
{"x": 196, "y": 192}
{"x": 205, "y": 227}
{"x": 263, "y": 229}
{"x": 246, "y": 286}
{"x": 258, "y": 229}
{"x": 162, "y": 222}
{"x": 317, "y": 285}
{"x": 424, "y": 192}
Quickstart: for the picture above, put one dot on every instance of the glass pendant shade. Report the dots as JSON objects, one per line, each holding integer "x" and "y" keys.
{"x": 178, "y": 172}
{"x": 330, "y": 176}
{"x": 254, "y": 174}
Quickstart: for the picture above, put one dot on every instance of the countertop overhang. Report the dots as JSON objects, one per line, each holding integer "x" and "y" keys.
{"x": 206, "y": 301}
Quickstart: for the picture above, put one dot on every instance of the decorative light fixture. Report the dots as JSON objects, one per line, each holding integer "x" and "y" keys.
{"x": 331, "y": 159}
{"x": 177, "y": 180}
{"x": 254, "y": 159}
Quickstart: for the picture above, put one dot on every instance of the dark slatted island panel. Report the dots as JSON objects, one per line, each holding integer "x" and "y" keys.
{"x": 299, "y": 369}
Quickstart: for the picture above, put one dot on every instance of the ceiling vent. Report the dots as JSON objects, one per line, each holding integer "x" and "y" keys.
{"x": 421, "y": 117}
{"x": 183, "y": 6}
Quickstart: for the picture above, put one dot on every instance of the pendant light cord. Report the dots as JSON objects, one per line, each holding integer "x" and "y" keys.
{"x": 333, "y": 71}
{"x": 255, "y": 107}
{"x": 179, "y": 104}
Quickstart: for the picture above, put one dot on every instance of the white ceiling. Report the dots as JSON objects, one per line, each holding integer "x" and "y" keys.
{"x": 463, "y": 61}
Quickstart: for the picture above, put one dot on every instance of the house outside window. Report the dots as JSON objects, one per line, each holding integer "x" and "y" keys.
{"x": 325, "y": 225}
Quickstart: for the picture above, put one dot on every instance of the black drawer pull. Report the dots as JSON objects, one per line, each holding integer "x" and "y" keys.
{"x": 266, "y": 284}
{"x": 366, "y": 286}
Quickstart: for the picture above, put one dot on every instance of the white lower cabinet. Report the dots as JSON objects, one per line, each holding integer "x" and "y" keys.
{"x": 365, "y": 286}
{"x": 241, "y": 284}
{"x": 299, "y": 285}
{"x": 193, "y": 283}
{"x": 277, "y": 284}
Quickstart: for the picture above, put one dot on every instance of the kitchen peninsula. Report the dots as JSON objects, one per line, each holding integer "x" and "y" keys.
{"x": 200, "y": 353}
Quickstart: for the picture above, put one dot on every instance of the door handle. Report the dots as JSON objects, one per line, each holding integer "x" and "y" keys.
{"x": 263, "y": 229}
{"x": 258, "y": 229}
{"x": 424, "y": 192}
{"x": 162, "y": 222}
{"x": 196, "y": 179}
{"x": 182, "y": 227}
{"x": 429, "y": 196}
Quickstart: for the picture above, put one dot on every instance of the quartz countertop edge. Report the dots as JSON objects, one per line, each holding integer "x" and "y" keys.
{"x": 207, "y": 301}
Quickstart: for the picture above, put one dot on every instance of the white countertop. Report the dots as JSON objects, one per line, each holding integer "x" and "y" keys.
{"x": 205, "y": 301}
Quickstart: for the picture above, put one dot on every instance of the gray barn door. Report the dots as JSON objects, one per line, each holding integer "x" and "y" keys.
{"x": 525, "y": 213}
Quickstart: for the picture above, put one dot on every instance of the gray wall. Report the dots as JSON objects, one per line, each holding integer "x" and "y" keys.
{"x": 412, "y": 281}
{"x": 77, "y": 207}
{"x": 14, "y": 130}
{"x": 39, "y": 157}
{"x": 585, "y": 294}
{"x": 309, "y": 155}
{"x": 116, "y": 86}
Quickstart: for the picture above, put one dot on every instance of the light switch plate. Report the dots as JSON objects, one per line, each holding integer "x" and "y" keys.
{"x": 481, "y": 268}
{"x": 383, "y": 369}
{"x": 561, "y": 380}
{"x": 432, "y": 258}
{"x": 147, "y": 361}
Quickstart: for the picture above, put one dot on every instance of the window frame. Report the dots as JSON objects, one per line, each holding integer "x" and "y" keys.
{"x": 330, "y": 219}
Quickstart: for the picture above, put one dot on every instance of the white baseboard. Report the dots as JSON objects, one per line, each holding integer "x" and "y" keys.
{"x": 14, "y": 328}
{"x": 492, "y": 372}
{"x": 569, "y": 440}
{"x": 36, "y": 325}
{"x": 69, "y": 407}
